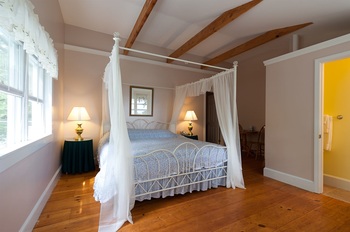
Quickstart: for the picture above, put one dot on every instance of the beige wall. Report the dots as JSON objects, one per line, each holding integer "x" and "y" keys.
{"x": 251, "y": 88}
{"x": 83, "y": 83}
{"x": 290, "y": 117}
{"x": 23, "y": 184}
{"x": 163, "y": 80}
{"x": 251, "y": 82}
{"x": 83, "y": 87}
{"x": 251, "y": 70}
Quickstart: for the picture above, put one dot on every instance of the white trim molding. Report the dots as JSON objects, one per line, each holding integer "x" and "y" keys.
{"x": 34, "y": 215}
{"x": 336, "y": 182}
{"x": 290, "y": 179}
{"x": 313, "y": 48}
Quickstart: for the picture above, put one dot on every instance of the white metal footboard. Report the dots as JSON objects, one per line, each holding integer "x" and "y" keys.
{"x": 163, "y": 170}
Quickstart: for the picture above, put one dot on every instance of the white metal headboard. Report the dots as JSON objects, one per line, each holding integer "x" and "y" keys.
{"x": 143, "y": 124}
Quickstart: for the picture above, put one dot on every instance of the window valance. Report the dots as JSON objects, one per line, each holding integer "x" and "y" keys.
{"x": 18, "y": 18}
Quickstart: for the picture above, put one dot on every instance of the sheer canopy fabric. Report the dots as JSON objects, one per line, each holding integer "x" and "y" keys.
{"x": 183, "y": 91}
{"x": 105, "y": 120}
{"x": 114, "y": 183}
{"x": 18, "y": 18}
{"x": 224, "y": 87}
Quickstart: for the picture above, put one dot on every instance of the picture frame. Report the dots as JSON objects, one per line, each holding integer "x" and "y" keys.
{"x": 141, "y": 101}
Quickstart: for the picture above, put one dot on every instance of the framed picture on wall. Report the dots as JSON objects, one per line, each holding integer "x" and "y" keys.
{"x": 141, "y": 101}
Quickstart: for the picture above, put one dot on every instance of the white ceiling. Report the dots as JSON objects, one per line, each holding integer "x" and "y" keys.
{"x": 173, "y": 22}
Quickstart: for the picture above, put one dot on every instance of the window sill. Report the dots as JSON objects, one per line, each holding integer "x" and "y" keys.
{"x": 9, "y": 157}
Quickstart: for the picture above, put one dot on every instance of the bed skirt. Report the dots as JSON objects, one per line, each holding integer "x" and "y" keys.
{"x": 185, "y": 183}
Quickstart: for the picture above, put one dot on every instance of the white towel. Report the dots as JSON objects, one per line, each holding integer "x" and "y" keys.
{"x": 327, "y": 132}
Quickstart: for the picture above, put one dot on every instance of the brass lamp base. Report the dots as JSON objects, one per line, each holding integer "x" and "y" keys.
{"x": 79, "y": 130}
{"x": 190, "y": 127}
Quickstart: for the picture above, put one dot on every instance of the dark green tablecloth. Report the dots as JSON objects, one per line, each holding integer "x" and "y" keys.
{"x": 78, "y": 156}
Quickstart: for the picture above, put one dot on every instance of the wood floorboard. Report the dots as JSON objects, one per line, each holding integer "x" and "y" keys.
{"x": 265, "y": 205}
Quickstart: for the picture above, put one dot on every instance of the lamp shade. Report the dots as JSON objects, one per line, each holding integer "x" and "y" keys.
{"x": 190, "y": 116}
{"x": 78, "y": 114}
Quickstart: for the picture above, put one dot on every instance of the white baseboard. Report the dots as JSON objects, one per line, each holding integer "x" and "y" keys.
{"x": 34, "y": 215}
{"x": 336, "y": 182}
{"x": 290, "y": 179}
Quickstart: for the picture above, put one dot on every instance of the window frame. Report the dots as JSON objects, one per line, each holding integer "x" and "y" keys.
{"x": 12, "y": 154}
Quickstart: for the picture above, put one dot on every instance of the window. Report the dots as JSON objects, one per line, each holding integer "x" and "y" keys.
{"x": 25, "y": 96}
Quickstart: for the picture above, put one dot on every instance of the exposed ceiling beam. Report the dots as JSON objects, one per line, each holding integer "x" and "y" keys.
{"x": 217, "y": 24}
{"x": 264, "y": 38}
{"x": 145, "y": 12}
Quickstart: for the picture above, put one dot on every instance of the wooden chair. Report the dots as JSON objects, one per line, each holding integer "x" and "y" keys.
{"x": 258, "y": 147}
{"x": 243, "y": 139}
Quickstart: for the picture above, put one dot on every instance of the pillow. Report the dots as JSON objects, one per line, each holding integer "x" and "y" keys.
{"x": 150, "y": 134}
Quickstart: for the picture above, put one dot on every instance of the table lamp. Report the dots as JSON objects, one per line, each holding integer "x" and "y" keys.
{"x": 79, "y": 114}
{"x": 190, "y": 116}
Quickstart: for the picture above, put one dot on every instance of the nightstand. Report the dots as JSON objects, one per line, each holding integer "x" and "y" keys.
{"x": 195, "y": 137}
{"x": 78, "y": 156}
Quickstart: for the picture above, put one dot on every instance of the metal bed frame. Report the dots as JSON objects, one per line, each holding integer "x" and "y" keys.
{"x": 185, "y": 166}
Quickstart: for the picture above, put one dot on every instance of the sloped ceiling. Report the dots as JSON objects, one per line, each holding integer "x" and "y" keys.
{"x": 169, "y": 24}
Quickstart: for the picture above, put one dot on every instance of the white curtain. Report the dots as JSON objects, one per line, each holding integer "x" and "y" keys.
{"x": 18, "y": 18}
{"x": 180, "y": 95}
{"x": 183, "y": 91}
{"x": 114, "y": 183}
{"x": 224, "y": 87}
{"x": 105, "y": 121}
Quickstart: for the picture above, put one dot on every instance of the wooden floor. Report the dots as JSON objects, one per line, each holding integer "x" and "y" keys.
{"x": 265, "y": 205}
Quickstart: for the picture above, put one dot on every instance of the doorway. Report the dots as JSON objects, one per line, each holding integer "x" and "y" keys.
{"x": 326, "y": 82}
{"x": 212, "y": 128}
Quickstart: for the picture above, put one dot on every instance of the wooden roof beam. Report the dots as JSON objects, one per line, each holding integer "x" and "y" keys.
{"x": 262, "y": 39}
{"x": 145, "y": 12}
{"x": 217, "y": 24}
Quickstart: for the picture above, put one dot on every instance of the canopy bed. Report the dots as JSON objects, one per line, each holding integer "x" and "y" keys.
{"x": 128, "y": 173}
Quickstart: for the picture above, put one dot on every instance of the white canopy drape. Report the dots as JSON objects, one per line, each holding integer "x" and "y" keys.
{"x": 114, "y": 183}
{"x": 224, "y": 87}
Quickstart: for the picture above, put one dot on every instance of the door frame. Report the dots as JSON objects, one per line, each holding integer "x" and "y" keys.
{"x": 220, "y": 138}
{"x": 318, "y": 116}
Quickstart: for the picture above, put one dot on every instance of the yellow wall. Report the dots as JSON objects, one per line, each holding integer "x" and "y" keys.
{"x": 337, "y": 102}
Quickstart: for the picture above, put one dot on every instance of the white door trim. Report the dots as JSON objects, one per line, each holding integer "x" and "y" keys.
{"x": 318, "y": 116}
